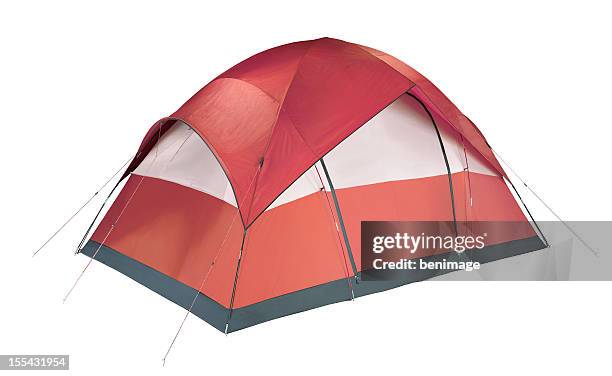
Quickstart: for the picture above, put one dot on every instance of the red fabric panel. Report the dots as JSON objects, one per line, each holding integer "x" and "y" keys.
{"x": 177, "y": 231}
{"x": 336, "y": 89}
{"x": 271, "y": 70}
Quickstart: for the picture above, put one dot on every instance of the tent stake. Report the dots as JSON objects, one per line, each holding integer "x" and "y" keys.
{"x": 81, "y": 208}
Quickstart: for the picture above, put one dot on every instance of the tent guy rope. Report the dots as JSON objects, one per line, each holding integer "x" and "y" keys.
{"x": 546, "y": 205}
{"x": 217, "y": 255}
{"x": 113, "y": 225}
{"x": 198, "y": 292}
{"x": 82, "y": 207}
{"x": 103, "y": 241}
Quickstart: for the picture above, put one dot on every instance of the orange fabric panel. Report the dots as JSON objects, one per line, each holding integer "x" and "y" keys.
{"x": 291, "y": 247}
{"x": 494, "y": 210}
{"x": 491, "y": 199}
{"x": 423, "y": 199}
{"x": 427, "y": 199}
{"x": 296, "y": 245}
{"x": 177, "y": 231}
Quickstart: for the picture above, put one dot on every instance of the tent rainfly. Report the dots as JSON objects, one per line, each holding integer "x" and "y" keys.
{"x": 245, "y": 205}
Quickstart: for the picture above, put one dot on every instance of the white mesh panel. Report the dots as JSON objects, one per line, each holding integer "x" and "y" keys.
{"x": 306, "y": 184}
{"x": 456, "y": 154}
{"x": 397, "y": 144}
{"x": 183, "y": 158}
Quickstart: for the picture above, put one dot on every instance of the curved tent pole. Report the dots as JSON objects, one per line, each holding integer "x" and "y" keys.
{"x": 467, "y": 169}
{"x": 219, "y": 251}
{"x": 521, "y": 199}
{"x": 244, "y": 234}
{"x": 528, "y": 212}
{"x": 231, "y": 307}
{"x": 331, "y": 211}
{"x": 448, "y": 170}
{"x": 341, "y": 220}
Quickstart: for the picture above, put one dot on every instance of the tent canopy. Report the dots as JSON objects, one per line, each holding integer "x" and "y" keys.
{"x": 272, "y": 116}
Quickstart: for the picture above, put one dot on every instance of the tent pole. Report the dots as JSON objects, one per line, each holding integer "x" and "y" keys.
{"x": 331, "y": 211}
{"x": 341, "y": 220}
{"x": 231, "y": 307}
{"x": 78, "y": 248}
{"x": 448, "y": 170}
{"x": 82, "y": 207}
{"x": 528, "y": 212}
{"x": 467, "y": 169}
{"x": 244, "y": 234}
{"x": 545, "y": 204}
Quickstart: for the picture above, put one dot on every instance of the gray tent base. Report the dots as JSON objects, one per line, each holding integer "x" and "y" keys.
{"x": 331, "y": 292}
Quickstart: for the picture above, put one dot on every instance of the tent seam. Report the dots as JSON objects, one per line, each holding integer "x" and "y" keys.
{"x": 275, "y": 124}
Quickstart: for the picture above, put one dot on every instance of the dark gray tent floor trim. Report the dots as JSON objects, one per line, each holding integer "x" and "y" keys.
{"x": 328, "y": 293}
{"x": 205, "y": 308}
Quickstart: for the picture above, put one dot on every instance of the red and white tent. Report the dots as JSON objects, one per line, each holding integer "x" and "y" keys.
{"x": 251, "y": 195}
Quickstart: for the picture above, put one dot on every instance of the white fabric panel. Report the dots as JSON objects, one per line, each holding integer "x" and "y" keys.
{"x": 452, "y": 145}
{"x": 400, "y": 143}
{"x": 306, "y": 184}
{"x": 183, "y": 158}
{"x": 478, "y": 163}
{"x": 455, "y": 153}
{"x": 397, "y": 144}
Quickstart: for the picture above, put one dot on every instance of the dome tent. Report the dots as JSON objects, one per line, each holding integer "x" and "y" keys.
{"x": 246, "y": 204}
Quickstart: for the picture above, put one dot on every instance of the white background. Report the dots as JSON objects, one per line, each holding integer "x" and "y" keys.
{"x": 81, "y": 84}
